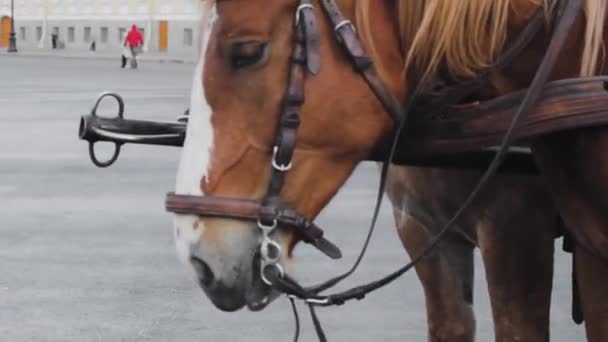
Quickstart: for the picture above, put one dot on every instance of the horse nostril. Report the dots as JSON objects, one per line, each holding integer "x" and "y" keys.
{"x": 204, "y": 272}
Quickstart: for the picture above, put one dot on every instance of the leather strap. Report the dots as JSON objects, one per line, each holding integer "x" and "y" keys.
{"x": 250, "y": 210}
{"x": 460, "y": 138}
{"x": 312, "y": 36}
{"x": 289, "y": 121}
{"x": 362, "y": 62}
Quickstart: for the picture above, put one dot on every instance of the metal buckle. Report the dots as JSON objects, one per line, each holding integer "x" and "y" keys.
{"x": 300, "y": 9}
{"x": 345, "y": 23}
{"x": 276, "y": 166}
{"x": 314, "y": 301}
{"x": 268, "y": 229}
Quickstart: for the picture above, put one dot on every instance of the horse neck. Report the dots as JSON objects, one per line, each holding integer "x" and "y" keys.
{"x": 376, "y": 24}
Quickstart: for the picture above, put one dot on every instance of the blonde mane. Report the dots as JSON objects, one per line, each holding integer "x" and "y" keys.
{"x": 461, "y": 37}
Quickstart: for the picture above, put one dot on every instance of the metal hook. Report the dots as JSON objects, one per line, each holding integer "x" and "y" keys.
{"x": 118, "y": 98}
{"x": 107, "y": 163}
{"x": 268, "y": 229}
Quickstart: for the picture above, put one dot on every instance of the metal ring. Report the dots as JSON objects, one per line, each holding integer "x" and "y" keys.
{"x": 324, "y": 301}
{"x": 107, "y": 163}
{"x": 265, "y": 249}
{"x": 300, "y": 9}
{"x": 277, "y": 266}
{"x": 345, "y": 23}
{"x": 118, "y": 98}
{"x": 268, "y": 229}
{"x": 276, "y": 166}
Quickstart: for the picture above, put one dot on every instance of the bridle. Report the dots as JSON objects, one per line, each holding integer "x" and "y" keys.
{"x": 270, "y": 213}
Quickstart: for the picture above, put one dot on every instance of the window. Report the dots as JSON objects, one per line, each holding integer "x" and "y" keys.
{"x": 38, "y": 33}
{"x": 22, "y": 35}
{"x": 87, "y": 34}
{"x": 71, "y": 34}
{"x": 121, "y": 34}
{"x": 104, "y": 34}
{"x": 188, "y": 37}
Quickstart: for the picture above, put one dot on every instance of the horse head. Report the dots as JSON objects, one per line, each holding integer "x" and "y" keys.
{"x": 247, "y": 104}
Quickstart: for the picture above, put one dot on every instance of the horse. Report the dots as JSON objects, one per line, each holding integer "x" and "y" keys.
{"x": 237, "y": 107}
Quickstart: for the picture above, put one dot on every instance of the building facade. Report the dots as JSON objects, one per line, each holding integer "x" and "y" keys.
{"x": 168, "y": 25}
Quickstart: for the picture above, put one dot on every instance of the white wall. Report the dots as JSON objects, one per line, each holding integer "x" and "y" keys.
{"x": 44, "y": 15}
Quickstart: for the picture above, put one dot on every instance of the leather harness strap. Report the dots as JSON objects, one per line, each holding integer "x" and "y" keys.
{"x": 251, "y": 210}
{"x": 564, "y": 104}
{"x": 361, "y": 61}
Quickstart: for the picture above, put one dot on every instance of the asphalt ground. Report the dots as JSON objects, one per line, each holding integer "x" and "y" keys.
{"x": 87, "y": 254}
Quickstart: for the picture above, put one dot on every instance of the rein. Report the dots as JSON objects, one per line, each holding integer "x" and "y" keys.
{"x": 270, "y": 212}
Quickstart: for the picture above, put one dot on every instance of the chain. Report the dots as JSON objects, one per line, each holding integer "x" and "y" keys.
{"x": 270, "y": 252}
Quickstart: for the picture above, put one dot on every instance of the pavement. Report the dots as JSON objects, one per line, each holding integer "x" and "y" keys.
{"x": 150, "y": 56}
{"x": 87, "y": 254}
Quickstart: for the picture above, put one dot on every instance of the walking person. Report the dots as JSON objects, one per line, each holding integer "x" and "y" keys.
{"x": 134, "y": 42}
{"x": 126, "y": 52}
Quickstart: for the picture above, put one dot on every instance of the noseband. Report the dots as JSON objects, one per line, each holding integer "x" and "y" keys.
{"x": 270, "y": 213}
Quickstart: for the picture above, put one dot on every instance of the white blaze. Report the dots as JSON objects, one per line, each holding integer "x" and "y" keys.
{"x": 196, "y": 153}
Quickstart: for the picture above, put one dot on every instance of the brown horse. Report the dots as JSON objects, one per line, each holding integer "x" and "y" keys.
{"x": 237, "y": 95}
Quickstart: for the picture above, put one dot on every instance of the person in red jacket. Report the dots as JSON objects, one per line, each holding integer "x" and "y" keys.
{"x": 134, "y": 41}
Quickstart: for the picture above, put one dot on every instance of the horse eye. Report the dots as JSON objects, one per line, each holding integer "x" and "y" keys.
{"x": 247, "y": 54}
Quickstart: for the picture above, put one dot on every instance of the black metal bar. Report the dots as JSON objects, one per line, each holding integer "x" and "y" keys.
{"x": 123, "y": 131}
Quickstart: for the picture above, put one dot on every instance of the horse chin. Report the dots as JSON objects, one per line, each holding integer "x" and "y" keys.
{"x": 260, "y": 302}
{"x": 260, "y": 296}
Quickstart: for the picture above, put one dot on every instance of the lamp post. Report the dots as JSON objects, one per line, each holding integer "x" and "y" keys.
{"x": 12, "y": 42}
